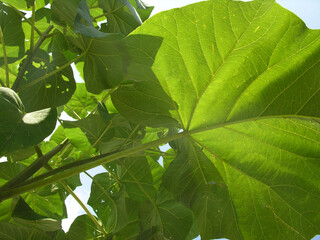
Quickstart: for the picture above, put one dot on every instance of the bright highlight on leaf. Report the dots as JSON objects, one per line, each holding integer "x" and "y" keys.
{"x": 206, "y": 120}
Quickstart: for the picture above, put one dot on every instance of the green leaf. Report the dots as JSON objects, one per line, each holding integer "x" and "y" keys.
{"x": 79, "y": 140}
{"x": 134, "y": 174}
{"x": 24, "y": 215}
{"x": 8, "y": 169}
{"x": 82, "y": 102}
{"x": 19, "y": 129}
{"x": 109, "y": 203}
{"x": 86, "y": 29}
{"x": 82, "y": 228}
{"x": 46, "y": 202}
{"x": 143, "y": 9}
{"x": 163, "y": 213}
{"x": 144, "y": 101}
{"x": 243, "y": 81}
{"x": 104, "y": 63}
{"x": 122, "y": 17}
{"x": 26, "y": 4}
{"x": 195, "y": 182}
{"x": 12, "y": 231}
{"x": 65, "y": 12}
{"x": 5, "y": 210}
{"x": 106, "y": 137}
{"x": 52, "y": 91}
{"x": 13, "y": 36}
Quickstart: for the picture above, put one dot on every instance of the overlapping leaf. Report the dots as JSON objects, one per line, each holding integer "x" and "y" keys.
{"x": 242, "y": 78}
{"x": 20, "y": 129}
{"x": 12, "y": 34}
{"x": 52, "y": 91}
{"x": 122, "y": 17}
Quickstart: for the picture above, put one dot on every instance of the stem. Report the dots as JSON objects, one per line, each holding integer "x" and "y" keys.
{"x": 94, "y": 220}
{"x": 51, "y": 73}
{"x": 5, "y": 60}
{"x": 28, "y": 60}
{"x": 32, "y": 168}
{"x": 69, "y": 190}
{"x": 81, "y": 166}
{"x": 73, "y": 112}
{"x": 32, "y": 27}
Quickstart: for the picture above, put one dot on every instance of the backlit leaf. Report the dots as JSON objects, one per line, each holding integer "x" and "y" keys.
{"x": 243, "y": 78}
{"x": 19, "y": 129}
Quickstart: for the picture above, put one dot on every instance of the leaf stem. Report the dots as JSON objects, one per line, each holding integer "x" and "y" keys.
{"x": 69, "y": 190}
{"x": 94, "y": 220}
{"x": 28, "y": 60}
{"x": 33, "y": 167}
{"x": 33, "y": 17}
{"x": 82, "y": 165}
{"x": 5, "y": 60}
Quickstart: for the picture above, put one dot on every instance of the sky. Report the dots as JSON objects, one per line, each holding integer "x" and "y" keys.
{"x": 307, "y": 10}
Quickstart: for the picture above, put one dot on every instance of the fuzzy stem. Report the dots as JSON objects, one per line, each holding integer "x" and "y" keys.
{"x": 33, "y": 168}
{"x": 82, "y": 165}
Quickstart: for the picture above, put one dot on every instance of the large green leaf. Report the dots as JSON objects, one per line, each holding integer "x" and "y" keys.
{"x": 12, "y": 231}
{"x": 52, "y": 91}
{"x": 165, "y": 218}
{"x": 109, "y": 203}
{"x": 19, "y": 129}
{"x": 25, "y": 216}
{"x": 194, "y": 180}
{"x": 13, "y": 36}
{"x": 243, "y": 80}
{"x": 135, "y": 175}
{"x": 104, "y": 63}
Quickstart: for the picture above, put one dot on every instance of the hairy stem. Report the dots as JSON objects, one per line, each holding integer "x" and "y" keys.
{"x": 33, "y": 168}
{"x": 33, "y": 18}
{"x": 82, "y": 165}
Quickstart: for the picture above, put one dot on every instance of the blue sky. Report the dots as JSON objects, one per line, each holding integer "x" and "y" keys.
{"x": 307, "y": 10}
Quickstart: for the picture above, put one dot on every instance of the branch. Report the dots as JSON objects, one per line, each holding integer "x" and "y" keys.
{"x": 28, "y": 60}
{"x": 81, "y": 166}
{"x": 33, "y": 167}
{"x": 69, "y": 190}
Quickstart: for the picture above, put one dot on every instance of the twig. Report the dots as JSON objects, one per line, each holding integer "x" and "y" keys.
{"x": 33, "y": 18}
{"x": 28, "y": 60}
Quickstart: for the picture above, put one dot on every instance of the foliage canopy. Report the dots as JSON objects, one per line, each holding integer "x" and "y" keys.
{"x": 233, "y": 87}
